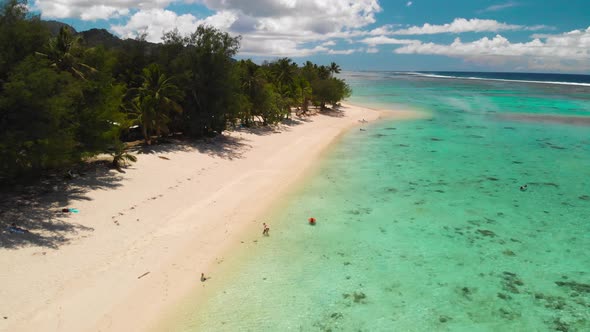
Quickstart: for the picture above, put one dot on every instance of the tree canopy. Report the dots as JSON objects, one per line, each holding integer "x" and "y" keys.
{"x": 64, "y": 98}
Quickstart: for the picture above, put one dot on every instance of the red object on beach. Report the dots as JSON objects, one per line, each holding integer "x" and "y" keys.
{"x": 312, "y": 220}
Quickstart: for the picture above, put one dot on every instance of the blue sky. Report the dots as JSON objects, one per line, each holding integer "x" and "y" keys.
{"x": 468, "y": 35}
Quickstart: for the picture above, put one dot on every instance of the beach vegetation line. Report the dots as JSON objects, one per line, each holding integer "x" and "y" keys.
{"x": 67, "y": 96}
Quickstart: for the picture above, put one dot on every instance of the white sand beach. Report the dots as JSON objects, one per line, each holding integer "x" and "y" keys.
{"x": 142, "y": 238}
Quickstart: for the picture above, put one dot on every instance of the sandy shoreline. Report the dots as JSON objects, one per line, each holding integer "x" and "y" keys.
{"x": 142, "y": 238}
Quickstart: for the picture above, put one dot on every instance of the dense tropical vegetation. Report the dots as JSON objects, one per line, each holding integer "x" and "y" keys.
{"x": 67, "y": 96}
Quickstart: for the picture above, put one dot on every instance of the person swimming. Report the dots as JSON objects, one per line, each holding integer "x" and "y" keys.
{"x": 524, "y": 187}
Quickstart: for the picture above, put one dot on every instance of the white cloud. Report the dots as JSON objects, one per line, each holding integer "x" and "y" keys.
{"x": 301, "y": 21}
{"x": 313, "y": 17}
{"x": 383, "y": 30}
{"x": 345, "y": 52}
{"x": 91, "y": 10}
{"x": 334, "y": 14}
{"x": 221, "y": 20}
{"x": 495, "y": 8}
{"x": 291, "y": 28}
{"x": 567, "y": 50}
{"x": 286, "y": 27}
{"x": 267, "y": 27}
{"x": 383, "y": 40}
{"x": 155, "y": 22}
{"x": 103, "y": 12}
{"x": 278, "y": 48}
{"x": 460, "y": 25}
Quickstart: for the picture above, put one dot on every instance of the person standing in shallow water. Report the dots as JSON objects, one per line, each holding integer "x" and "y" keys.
{"x": 203, "y": 278}
{"x": 265, "y": 230}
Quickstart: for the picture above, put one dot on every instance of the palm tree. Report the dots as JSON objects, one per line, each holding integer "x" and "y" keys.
{"x": 252, "y": 84}
{"x": 64, "y": 52}
{"x": 284, "y": 74}
{"x": 303, "y": 93}
{"x": 120, "y": 156}
{"x": 283, "y": 71}
{"x": 154, "y": 100}
{"x": 141, "y": 108}
{"x": 251, "y": 77}
{"x": 324, "y": 72}
{"x": 334, "y": 68}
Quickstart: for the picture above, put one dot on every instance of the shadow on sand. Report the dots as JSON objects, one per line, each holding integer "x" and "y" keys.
{"x": 222, "y": 146}
{"x": 336, "y": 112}
{"x": 37, "y": 208}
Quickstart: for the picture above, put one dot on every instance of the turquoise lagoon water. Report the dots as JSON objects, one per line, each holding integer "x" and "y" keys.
{"x": 422, "y": 225}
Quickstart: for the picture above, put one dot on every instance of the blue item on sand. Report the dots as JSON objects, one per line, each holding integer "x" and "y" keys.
{"x": 17, "y": 230}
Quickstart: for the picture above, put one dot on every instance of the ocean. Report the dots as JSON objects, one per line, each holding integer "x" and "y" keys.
{"x": 476, "y": 218}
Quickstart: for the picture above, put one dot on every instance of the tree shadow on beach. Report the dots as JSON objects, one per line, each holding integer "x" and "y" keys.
{"x": 233, "y": 147}
{"x": 284, "y": 125}
{"x": 299, "y": 120}
{"x": 165, "y": 145}
{"x": 225, "y": 147}
{"x": 336, "y": 112}
{"x": 220, "y": 146}
{"x": 37, "y": 208}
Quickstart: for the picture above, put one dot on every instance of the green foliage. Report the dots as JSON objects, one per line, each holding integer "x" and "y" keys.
{"x": 153, "y": 102}
{"x": 272, "y": 104}
{"x": 120, "y": 156}
{"x": 283, "y": 72}
{"x": 250, "y": 82}
{"x": 49, "y": 116}
{"x": 273, "y": 89}
{"x": 20, "y": 35}
{"x": 36, "y": 112}
{"x": 134, "y": 55}
{"x": 334, "y": 68}
{"x": 99, "y": 115}
{"x": 303, "y": 93}
{"x": 209, "y": 79}
{"x": 63, "y": 99}
{"x": 329, "y": 91}
{"x": 64, "y": 52}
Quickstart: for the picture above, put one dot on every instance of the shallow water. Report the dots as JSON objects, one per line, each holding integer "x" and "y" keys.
{"x": 422, "y": 225}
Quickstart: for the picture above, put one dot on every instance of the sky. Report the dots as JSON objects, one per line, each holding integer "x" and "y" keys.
{"x": 418, "y": 35}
